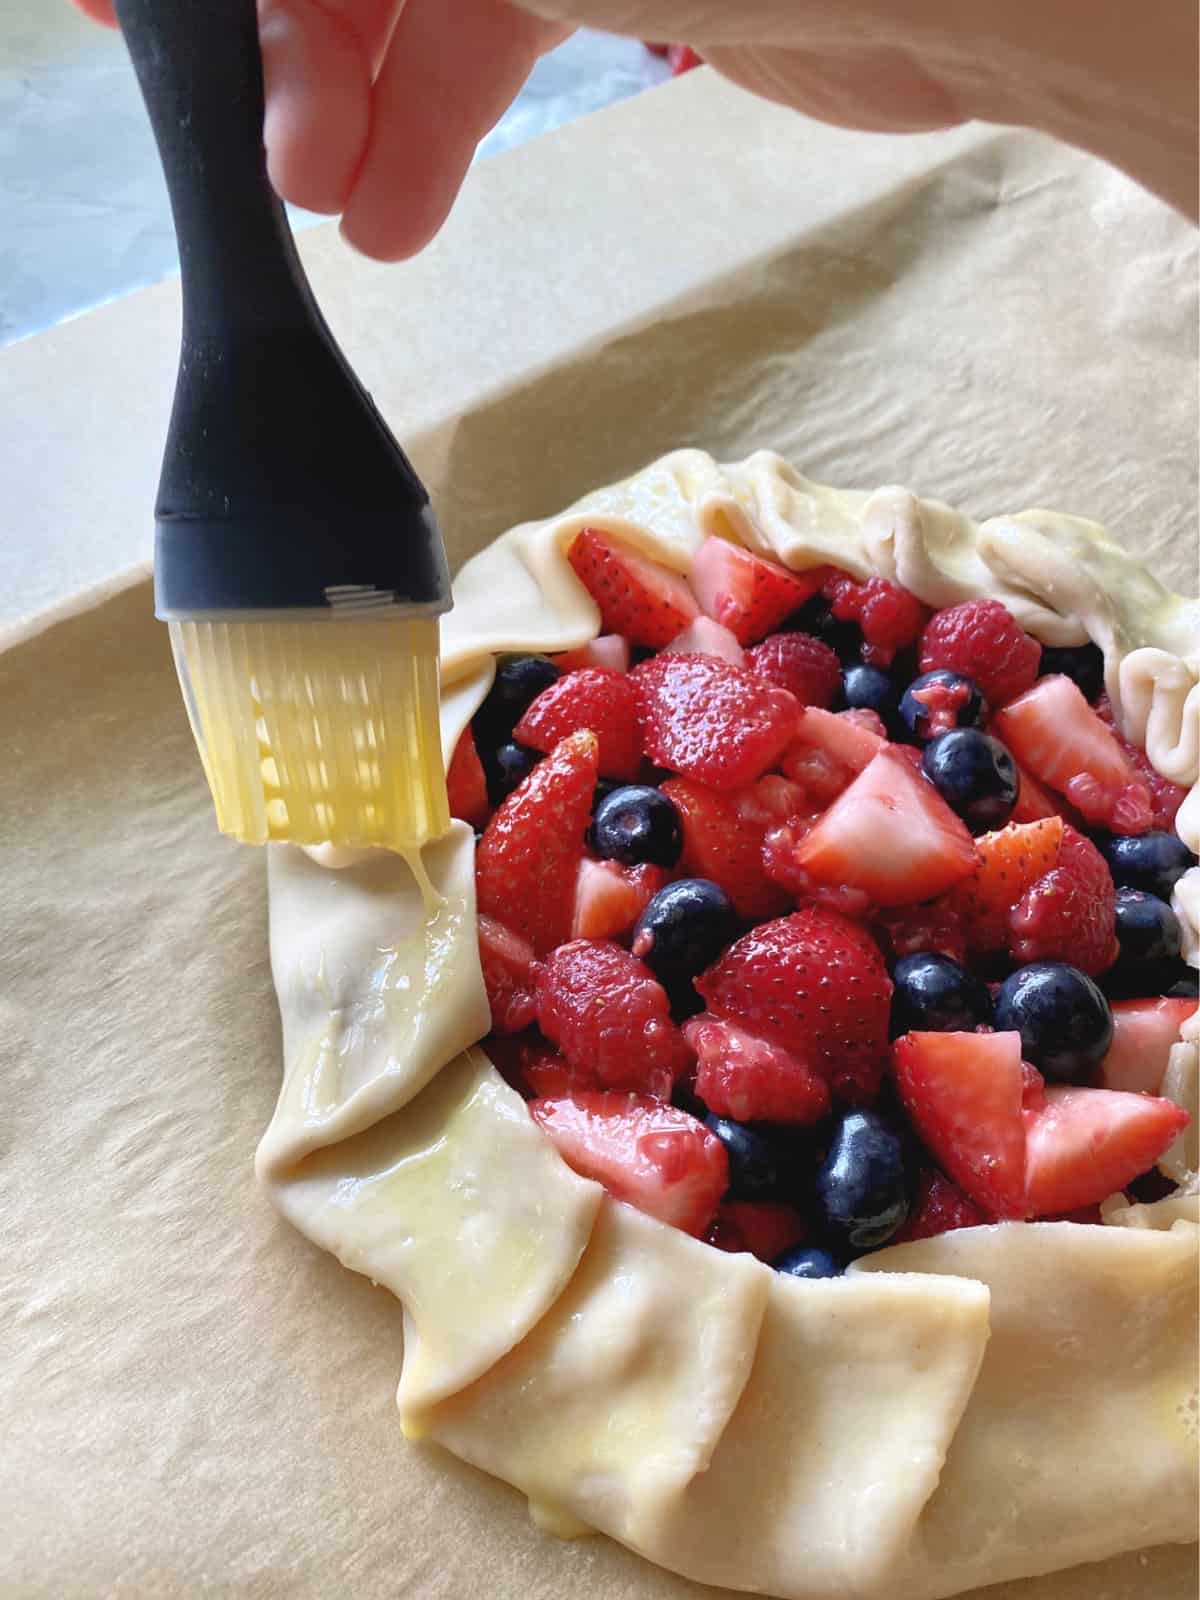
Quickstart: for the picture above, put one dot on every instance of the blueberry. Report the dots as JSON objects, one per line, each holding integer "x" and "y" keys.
{"x": 867, "y": 688}
{"x": 1147, "y": 930}
{"x": 505, "y": 767}
{"x": 635, "y": 824}
{"x": 816, "y": 616}
{"x": 1063, "y": 1019}
{"x": 807, "y": 1261}
{"x": 949, "y": 698}
{"x": 754, "y": 1159}
{"x": 518, "y": 682}
{"x": 974, "y": 774}
{"x": 933, "y": 994}
{"x": 1084, "y": 663}
{"x": 1150, "y": 861}
{"x": 684, "y": 928}
{"x": 861, "y": 1188}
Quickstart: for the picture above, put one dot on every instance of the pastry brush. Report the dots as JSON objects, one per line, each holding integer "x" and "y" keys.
{"x": 297, "y": 561}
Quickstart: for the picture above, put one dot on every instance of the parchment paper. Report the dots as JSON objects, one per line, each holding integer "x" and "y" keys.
{"x": 193, "y": 1401}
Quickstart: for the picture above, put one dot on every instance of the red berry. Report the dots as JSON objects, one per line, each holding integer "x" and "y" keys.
{"x": 759, "y": 1226}
{"x": 890, "y": 617}
{"x": 982, "y": 640}
{"x": 1085, "y": 1144}
{"x": 723, "y": 841}
{"x": 509, "y": 974}
{"x": 752, "y": 1079}
{"x": 1011, "y": 860}
{"x": 707, "y": 720}
{"x": 1144, "y": 1033}
{"x": 940, "y": 1207}
{"x": 683, "y": 58}
{"x": 816, "y": 984}
{"x": 830, "y": 749}
{"x": 527, "y": 860}
{"x": 596, "y": 698}
{"x": 1069, "y": 912}
{"x": 606, "y": 650}
{"x": 1165, "y": 797}
{"x": 800, "y": 664}
{"x": 466, "y": 786}
{"x": 637, "y": 597}
{"x": 610, "y": 1017}
{"x": 609, "y": 897}
{"x": 704, "y": 637}
{"x": 911, "y": 930}
{"x": 746, "y": 593}
{"x": 654, "y": 1156}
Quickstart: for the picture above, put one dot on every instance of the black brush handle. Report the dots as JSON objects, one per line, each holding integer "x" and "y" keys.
{"x": 280, "y": 480}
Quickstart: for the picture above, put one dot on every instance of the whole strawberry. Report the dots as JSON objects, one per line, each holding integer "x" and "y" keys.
{"x": 815, "y": 983}
{"x": 594, "y": 697}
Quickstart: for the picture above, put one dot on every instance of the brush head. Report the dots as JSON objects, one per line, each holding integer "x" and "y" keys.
{"x": 321, "y": 730}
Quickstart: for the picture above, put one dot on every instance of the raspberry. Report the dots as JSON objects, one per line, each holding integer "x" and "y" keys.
{"x": 1069, "y": 913}
{"x": 801, "y": 664}
{"x": 911, "y": 930}
{"x": 981, "y": 639}
{"x": 889, "y": 616}
{"x": 940, "y": 1207}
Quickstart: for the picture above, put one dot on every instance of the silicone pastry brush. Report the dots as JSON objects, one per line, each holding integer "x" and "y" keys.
{"x": 297, "y": 561}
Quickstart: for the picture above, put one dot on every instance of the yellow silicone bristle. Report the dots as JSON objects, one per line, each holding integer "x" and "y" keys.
{"x": 318, "y": 731}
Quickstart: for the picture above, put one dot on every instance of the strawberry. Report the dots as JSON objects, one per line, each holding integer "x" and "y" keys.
{"x": 910, "y": 930}
{"x": 610, "y": 1017}
{"x": 596, "y": 698}
{"x": 466, "y": 786}
{"x": 890, "y": 617}
{"x": 509, "y": 973}
{"x": 752, "y": 1079}
{"x": 816, "y": 984}
{"x": 1144, "y": 1032}
{"x": 609, "y": 897}
{"x": 637, "y": 597}
{"x": 1165, "y": 797}
{"x": 800, "y": 664}
{"x": 1011, "y": 860}
{"x": 1035, "y": 803}
{"x": 982, "y": 640}
{"x": 707, "y": 720}
{"x": 1085, "y": 1144}
{"x": 527, "y": 860}
{"x": 939, "y": 1207}
{"x": 760, "y": 1226}
{"x": 532, "y": 1067}
{"x": 723, "y": 841}
{"x": 654, "y": 1156}
{"x": 606, "y": 650}
{"x": 963, "y": 1094}
{"x": 829, "y": 750}
{"x": 1055, "y": 734}
{"x": 1069, "y": 913}
{"x": 745, "y": 593}
{"x": 683, "y": 58}
{"x": 704, "y": 637}
{"x": 890, "y": 836}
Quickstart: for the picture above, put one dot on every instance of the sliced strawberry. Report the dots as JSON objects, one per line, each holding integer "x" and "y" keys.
{"x": 745, "y": 593}
{"x": 751, "y": 1079}
{"x": 963, "y": 1093}
{"x": 1033, "y": 802}
{"x": 610, "y": 1017}
{"x": 890, "y": 836}
{"x": 704, "y": 637}
{"x": 637, "y": 597}
{"x": 816, "y": 984}
{"x": 527, "y": 860}
{"x": 939, "y": 1207}
{"x": 606, "y": 650}
{"x": 509, "y": 975}
{"x": 707, "y": 720}
{"x": 759, "y": 1226}
{"x": 1085, "y": 1144}
{"x": 829, "y": 750}
{"x": 1143, "y": 1033}
{"x": 911, "y": 930}
{"x": 683, "y": 58}
{"x": 1055, "y": 734}
{"x": 546, "y": 1074}
{"x": 1069, "y": 913}
{"x": 466, "y": 786}
{"x": 1165, "y": 797}
{"x": 595, "y": 698}
{"x": 609, "y": 897}
{"x": 890, "y": 617}
{"x": 1011, "y": 860}
{"x": 654, "y": 1156}
{"x": 723, "y": 841}
{"x": 802, "y": 665}
{"x": 982, "y": 640}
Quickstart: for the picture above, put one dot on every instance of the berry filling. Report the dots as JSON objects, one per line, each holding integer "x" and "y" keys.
{"x": 812, "y": 921}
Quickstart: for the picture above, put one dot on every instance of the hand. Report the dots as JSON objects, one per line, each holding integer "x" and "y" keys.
{"x": 374, "y": 107}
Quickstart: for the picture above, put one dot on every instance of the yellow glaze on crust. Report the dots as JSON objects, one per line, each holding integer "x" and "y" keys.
{"x": 994, "y": 1403}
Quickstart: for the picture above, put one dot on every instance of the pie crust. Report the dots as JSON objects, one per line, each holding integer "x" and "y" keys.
{"x": 993, "y": 1403}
